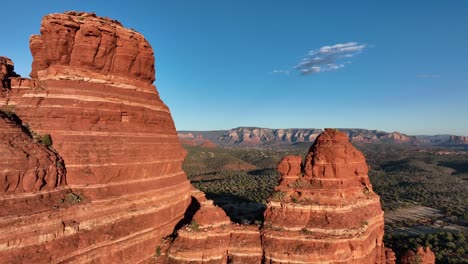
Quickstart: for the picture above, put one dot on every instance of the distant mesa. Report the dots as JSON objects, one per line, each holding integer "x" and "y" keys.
{"x": 267, "y": 137}
{"x": 190, "y": 140}
{"x": 458, "y": 140}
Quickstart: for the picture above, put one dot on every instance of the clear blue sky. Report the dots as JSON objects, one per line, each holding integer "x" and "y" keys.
{"x": 399, "y": 66}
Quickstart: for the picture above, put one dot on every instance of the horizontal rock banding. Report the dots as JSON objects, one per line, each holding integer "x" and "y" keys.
{"x": 212, "y": 238}
{"x": 92, "y": 92}
{"x": 324, "y": 211}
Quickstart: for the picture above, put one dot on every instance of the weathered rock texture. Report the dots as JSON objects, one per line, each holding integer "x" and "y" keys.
{"x": 87, "y": 42}
{"x": 27, "y": 165}
{"x": 421, "y": 256}
{"x": 7, "y": 70}
{"x": 212, "y": 238}
{"x": 92, "y": 92}
{"x": 324, "y": 211}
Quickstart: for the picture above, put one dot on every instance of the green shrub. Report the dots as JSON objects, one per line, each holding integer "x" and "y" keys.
{"x": 73, "y": 198}
{"x": 194, "y": 225}
{"x": 157, "y": 252}
{"x": 46, "y": 140}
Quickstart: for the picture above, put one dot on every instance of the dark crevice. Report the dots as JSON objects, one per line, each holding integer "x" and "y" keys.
{"x": 188, "y": 215}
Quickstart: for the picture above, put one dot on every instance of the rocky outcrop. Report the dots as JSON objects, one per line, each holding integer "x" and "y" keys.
{"x": 27, "y": 165}
{"x": 290, "y": 168}
{"x": 76, "y": 40}
{"x": 390, "y": 256}
{"x": 210, "y": 237}
{"x": 329, "y": 213}
{"x": 323, "y": 211}
{"x": 92, "y": 92}
{"x": 421, "y": 256}
{"x": 7, "y": 70}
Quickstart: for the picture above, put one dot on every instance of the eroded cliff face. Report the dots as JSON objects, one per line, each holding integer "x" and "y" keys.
{"x": 324, "y": 210}
{"x": 125, "y": 189}
{"x": 7, "y": 70}
{"x": 87, "y": 42}
{"x": 27, "y": 165}
{"x": 210, "y": 237}
{"x": 420, "y": 256}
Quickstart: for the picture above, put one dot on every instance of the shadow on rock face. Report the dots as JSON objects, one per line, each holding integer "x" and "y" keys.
{"x": 188, "y": 215}
{"x": 239, "y": 209}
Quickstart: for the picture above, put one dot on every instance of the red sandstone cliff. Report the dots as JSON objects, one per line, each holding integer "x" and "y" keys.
{"x": 92, "y": 92}
{"x": 324, "y": 210}
{"x": 27, "y": 165}
{"x": 211, "y": 237}
{"x": 7, "y": 70}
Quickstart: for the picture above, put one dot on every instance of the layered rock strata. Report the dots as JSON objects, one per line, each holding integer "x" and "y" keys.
{"x": 7, "y": 70}
{"x": 27, "y": 165}
{"x": 324, "y": 211}
{"x": 211, "y": 237}
{"x": 92, "y": 92}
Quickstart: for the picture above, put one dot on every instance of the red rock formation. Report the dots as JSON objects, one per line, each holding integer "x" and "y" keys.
{"x": 7, "y": 70}
{"x": 92, "y": 92}
{"x": 290, "y": 168}
{"x": 329, "y": 213}
{"x": 27, "y": 166}
{"x": 212, "y": 238}
{"x": 421, "y": 256}
{"x": 85, "y": 41}
{"x": 390, "y": 257}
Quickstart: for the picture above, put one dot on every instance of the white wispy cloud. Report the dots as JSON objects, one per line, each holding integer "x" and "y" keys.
{"x": 286, "y": 72}
{"x": 329, "y": 58}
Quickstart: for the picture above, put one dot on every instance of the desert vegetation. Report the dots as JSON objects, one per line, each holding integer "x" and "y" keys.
{"x": 424, "y": 193}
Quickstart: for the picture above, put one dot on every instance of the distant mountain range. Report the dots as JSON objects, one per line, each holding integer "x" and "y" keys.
{"x": 257, "y": 136}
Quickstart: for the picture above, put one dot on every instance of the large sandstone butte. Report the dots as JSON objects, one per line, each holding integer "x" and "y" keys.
{"x": 110, "y": 189}
{"x": 324, "y": 211}
{"x": 92, "y": 91}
